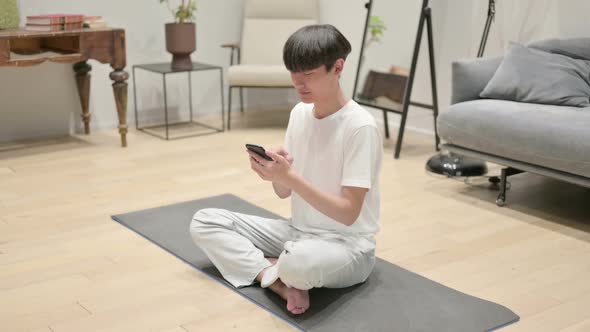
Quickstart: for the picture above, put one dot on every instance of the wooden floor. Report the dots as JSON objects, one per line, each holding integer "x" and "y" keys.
{"x": 66, "y": 266}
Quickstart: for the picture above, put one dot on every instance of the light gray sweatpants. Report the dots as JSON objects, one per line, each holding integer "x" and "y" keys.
{"x": 237, "y": 244}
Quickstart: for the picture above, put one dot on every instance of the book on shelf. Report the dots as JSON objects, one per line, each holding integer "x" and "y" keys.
{"x": 54, "y": 27}
{"x": 50, "y": 19}
{"x": 63, "y": 22}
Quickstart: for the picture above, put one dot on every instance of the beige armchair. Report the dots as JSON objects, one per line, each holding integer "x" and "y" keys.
{"x": 266, "y": 27}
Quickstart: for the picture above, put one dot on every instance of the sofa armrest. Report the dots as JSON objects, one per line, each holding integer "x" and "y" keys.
{"x": 470, "y": 77}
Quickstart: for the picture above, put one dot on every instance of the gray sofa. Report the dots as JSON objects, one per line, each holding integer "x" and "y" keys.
{"x": 548, "y": 140}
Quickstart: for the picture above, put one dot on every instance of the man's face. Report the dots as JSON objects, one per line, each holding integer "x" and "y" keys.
{"x": 317, "y": 84}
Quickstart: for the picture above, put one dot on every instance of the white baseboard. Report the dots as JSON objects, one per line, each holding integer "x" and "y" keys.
{"x": 394, "y": 125}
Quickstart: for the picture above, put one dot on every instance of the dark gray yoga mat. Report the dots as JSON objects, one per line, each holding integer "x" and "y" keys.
{"x": 392, "y": 299}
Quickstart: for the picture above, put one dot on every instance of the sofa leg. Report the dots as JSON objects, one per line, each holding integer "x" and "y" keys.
{"x": 504, "y": 184}
{"x": 495, "y": 183}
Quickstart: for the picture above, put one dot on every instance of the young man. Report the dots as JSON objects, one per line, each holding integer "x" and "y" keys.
{"x": 329, "y": 166}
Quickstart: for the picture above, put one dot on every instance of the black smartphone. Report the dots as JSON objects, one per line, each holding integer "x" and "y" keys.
{"x": 259, "y": 151}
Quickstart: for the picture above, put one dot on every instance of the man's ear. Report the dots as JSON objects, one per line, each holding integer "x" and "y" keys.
{"x": 338, "y": 66}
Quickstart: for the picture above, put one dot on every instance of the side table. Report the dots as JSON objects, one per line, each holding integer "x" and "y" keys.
{"x": 164, "y": 69}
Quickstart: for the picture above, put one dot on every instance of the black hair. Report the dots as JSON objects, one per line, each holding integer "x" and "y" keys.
{"x": 315, "y": 45}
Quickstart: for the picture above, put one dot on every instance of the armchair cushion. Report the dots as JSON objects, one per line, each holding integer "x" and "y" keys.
{"x": 259, "y": 75}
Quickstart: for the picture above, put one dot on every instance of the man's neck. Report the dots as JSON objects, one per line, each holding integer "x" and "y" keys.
{"x": 326, "y": 107}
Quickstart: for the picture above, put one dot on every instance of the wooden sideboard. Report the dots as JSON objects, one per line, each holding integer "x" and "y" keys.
{"x": 19, "y": 48}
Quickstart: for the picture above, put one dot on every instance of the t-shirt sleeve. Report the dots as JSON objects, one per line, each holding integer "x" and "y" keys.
{"x": 362, "y": 158}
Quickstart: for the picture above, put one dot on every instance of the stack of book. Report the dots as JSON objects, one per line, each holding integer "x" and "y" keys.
{"x": 54, "y": 22}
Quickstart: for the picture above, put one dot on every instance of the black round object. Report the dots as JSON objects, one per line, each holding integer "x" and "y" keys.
{"x": 454, "y": 165}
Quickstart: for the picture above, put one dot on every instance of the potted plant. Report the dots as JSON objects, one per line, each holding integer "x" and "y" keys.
{"x": 181, "y": 35}
{"x": 376, "y": 28}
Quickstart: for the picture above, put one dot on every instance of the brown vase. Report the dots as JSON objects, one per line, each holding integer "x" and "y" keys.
{"x": 181, "y": 41}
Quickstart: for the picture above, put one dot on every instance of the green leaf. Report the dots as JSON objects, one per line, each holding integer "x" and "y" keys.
{"x": 376, "y": 27}
{"x": 183, "y": 13}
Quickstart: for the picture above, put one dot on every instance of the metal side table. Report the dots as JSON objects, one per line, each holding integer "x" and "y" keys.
{"x": 164, "y": 69}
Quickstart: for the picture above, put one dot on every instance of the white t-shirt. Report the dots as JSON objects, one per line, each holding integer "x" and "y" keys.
{"x": 342, "y": 149}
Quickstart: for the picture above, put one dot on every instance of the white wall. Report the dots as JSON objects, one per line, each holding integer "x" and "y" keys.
{"x": 42, "y": 100}
{"x": 32, "y": 105}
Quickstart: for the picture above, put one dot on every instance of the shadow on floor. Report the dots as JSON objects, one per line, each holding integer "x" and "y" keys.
{"x": 545, "y": 198}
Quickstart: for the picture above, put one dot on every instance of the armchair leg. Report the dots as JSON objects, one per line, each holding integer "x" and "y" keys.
{"x": 241, "y": 100}
{"x": 386, "y": 124}
{"x": 229, "y": 109}
{"x": 504, "y": 184}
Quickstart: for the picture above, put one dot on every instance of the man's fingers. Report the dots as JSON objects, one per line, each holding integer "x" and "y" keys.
{"x": 282, "y": 151}
{"x": 260, "y": 169}
{"x": 258, "y": 158}
{"x": 260, "y": 173}
{"x": 253, "y": 161}
{"x": 275, "y": 156}
{"x": 252, "y": 154}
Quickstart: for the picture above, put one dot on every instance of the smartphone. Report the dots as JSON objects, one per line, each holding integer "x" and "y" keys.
{"x": 259, "y": 151}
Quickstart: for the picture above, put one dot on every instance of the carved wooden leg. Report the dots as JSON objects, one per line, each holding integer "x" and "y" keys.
{"x": 82, "y": 70}
{"x": 119, "y": 76}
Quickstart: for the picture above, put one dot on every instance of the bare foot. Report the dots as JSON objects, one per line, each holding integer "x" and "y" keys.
{"x": 297, "y": 300}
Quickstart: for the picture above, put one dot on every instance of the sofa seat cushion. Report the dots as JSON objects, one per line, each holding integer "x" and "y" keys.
{"x": 556, "y": 137}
